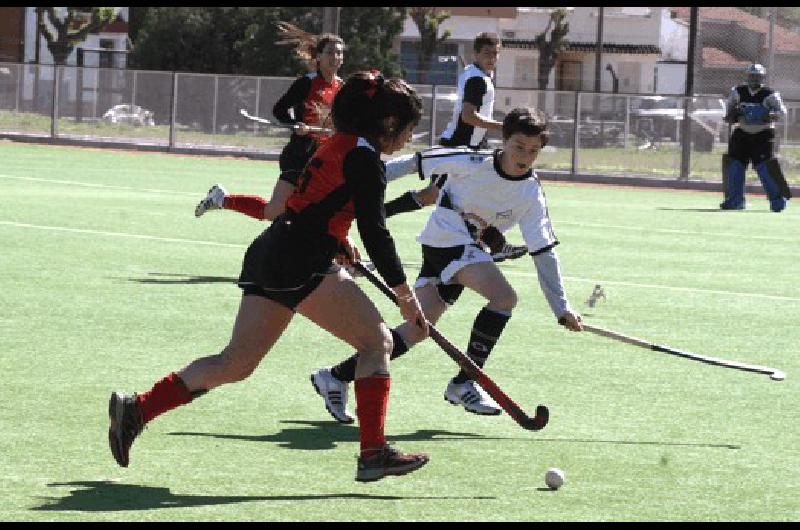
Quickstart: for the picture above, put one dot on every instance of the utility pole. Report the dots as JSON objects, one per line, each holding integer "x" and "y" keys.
{"x": 686, "y": 126}
{"x": 330, "y": 19}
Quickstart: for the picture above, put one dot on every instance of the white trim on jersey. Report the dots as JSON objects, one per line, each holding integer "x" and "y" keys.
{"x": 475, "y": 192}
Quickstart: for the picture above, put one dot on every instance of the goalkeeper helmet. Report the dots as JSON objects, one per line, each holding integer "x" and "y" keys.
{"x": 755, "y": 75}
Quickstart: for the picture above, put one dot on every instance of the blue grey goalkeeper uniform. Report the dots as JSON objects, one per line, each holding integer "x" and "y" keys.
{"x": 753, "y": 111}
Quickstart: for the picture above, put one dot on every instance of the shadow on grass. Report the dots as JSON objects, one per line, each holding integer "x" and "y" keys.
{"x": 719, "y": 210}
{"x": 109, "y": 496}
{"x": 323, "y": 435}
{"x": 167, "y": 278}
{"x": 173, "y": 279}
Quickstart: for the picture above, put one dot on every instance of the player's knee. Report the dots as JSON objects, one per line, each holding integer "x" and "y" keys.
{"x": 238, "y": 361}
{"x": 505, "y": 300}
{"x": 374, "y": 341}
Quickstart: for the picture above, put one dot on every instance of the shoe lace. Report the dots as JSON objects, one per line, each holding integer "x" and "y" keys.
{"x": 133, "y": 424}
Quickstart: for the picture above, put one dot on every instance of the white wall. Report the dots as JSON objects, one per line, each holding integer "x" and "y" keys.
{"x": 671, "y": 78}
{"x": 92, "y": 41}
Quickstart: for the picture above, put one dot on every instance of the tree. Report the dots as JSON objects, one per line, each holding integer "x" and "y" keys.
{"x": 428, "y": 20}
{"x": 549, "y": 49}
{"x": 369, "y": 33}
{"x": 63, "y": 28}
{"x": 195, "y": 39}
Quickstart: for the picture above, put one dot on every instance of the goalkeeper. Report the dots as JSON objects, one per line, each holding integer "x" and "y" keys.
{"x": 753, "y": 108}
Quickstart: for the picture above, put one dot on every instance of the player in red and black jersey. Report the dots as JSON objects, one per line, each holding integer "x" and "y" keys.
{"x": 306, "y": 103}
{"x": 290, "y": 269}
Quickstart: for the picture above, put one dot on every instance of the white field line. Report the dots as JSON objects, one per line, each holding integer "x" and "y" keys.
{"x": 569, "y": 223}
{"x": 104, "y": 186}
{"x": 121, "y": 234}
{"x": 679, "y": 232}
{"x": 507, "y": 272}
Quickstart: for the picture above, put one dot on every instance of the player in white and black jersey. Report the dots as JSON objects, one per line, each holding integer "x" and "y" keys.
{"x": 485, "y": 194}
{"x": 472, "y": 118}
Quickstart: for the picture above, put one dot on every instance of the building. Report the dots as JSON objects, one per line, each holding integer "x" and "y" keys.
{"x": 632, "y": 47}
{"x": 12, "y": 34}
{"x": 730, "y": 39}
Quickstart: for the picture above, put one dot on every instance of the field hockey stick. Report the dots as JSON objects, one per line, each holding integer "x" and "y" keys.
{"x": 775, "y": 374}
{"x": 468, "y": 365}
{"x": 290, "y": 127}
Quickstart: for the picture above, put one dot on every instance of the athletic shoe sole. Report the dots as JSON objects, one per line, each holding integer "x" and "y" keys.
{"x": 116, "y": 408}
{"x": 371, "y": 475}
{"x": 473, "y": 411}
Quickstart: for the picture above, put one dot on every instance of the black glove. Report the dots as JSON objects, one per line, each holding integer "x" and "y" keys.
{"x": 492, "y": 238}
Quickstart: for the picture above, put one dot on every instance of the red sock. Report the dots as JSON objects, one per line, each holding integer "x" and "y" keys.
{"x": 165, "y": 395}
{"x": 372, "y": 398}
{"x": 251, "y": 205}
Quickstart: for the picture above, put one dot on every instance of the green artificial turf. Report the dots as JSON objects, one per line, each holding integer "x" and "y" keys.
{"x": 108, "y": 282}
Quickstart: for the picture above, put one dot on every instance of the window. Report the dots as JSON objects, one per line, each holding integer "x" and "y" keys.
{"x": 106, "y": 59}
{"x": 525, "y": 72}
{"x": 443, "y": 68}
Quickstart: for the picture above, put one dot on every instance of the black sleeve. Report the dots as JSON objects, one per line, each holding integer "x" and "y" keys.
{"x": 293, "y": 98}
{"x": 365, "y": 176}
{"x": 474, "y": 90}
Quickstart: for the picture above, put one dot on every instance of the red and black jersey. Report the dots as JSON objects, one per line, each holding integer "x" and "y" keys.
{"x": 305, "y": 97}
{"x": 345, "y": 180}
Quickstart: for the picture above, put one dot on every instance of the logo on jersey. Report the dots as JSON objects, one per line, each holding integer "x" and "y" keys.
{"x": 504, "y": 215}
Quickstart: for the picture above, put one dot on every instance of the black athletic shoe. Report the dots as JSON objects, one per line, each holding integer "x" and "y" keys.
{"x": 125, "y": 424}
{"x": 389, "y": 461}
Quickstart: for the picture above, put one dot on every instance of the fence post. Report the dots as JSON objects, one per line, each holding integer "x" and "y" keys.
{"x": 575, "y": 134}
{"x": 20, "y": 84}
{"x": 54, "y": 114}
{"x": 174, "y": 101}
{"x": 686, "y": 126}
{"x": 433, "y": 116}
{"x": 627, "y": 129}
{"x": 216, "y": 99}
{"x": 258, "y": 101}
{"x": 133, "y": 90}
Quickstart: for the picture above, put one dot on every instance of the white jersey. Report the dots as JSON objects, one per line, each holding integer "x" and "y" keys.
{"x": 476, "y": 87}
{"x": 476, "y": 194}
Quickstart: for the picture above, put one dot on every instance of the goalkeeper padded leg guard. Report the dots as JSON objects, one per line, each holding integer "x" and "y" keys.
{"x": 734, "y": 185}
{"x": 774, "y": 184}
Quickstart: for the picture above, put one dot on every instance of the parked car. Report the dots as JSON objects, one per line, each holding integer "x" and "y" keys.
{"x": 130, "y": 114}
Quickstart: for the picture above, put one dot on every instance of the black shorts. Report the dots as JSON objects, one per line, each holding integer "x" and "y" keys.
{"x": 282, "y": 268}
{"x": 434, "y": 261}
{"x": 295, "y": 156}
{"x": 755, "y": 148}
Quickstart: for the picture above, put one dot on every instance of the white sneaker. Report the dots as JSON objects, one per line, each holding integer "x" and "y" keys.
{"x": 473, "y": 397}
{"x": 214, "y": 200}
{"x": 509, "y": 252}
{"x": 334, "y": 392}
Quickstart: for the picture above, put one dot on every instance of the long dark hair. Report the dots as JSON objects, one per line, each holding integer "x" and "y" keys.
{"x": 307, "y": 46}
{"x": 366, "y": 99}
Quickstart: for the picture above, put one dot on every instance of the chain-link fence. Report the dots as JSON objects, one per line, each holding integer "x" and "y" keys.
{"x": 631, "y": 134}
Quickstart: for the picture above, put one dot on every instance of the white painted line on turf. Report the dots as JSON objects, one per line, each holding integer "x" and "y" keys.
{"x": 121, "y": 234}
{"x": 104, "y": 186}
{"x": 507, "y": 272}
{"x": 737, "y": 235}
